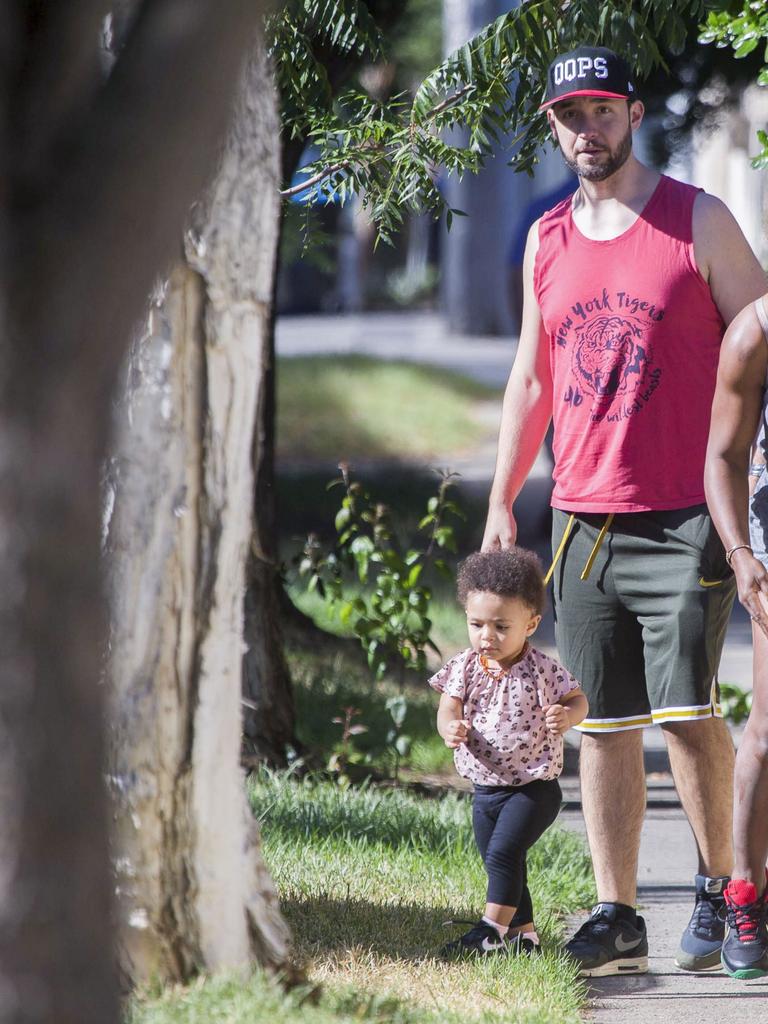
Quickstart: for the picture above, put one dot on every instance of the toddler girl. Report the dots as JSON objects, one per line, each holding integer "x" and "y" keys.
{"x": 504, "y": 707}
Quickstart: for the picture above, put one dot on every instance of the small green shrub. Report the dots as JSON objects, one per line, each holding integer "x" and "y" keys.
{"x": 735, "y": 702}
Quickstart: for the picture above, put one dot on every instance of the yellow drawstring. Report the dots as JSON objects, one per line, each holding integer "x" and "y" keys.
{"x": 559, "y": 551}
{"x": 592, "y": 555}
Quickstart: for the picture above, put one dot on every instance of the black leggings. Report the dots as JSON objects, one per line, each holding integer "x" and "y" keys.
{"x": 507, "y": 821}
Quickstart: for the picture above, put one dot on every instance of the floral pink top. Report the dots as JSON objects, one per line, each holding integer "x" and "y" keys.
{"x": 508, "y": 743}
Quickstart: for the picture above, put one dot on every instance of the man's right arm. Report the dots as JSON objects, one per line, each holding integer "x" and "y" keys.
{"x": 525, "y": 414}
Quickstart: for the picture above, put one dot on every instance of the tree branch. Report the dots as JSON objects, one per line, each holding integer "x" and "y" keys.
{"x": 296, "y": 190}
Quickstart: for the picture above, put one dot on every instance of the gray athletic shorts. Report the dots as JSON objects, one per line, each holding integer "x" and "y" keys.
{"x": 644, "y": 631}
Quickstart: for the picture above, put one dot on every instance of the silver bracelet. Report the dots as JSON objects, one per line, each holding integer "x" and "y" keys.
{"x": 756, "y": 469}
{"x": 736, "y": 547}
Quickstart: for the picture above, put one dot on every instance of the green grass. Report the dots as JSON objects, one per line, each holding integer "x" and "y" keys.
{"x": 353, "y": 407}
{"x": 232, "y": 1000}
{"x": 368, "y": 876}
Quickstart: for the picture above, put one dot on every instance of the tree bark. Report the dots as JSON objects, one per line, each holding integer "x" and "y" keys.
{"x": 194, "y": 893}
{"x": 269, "y": 714}
{"x": 80, "y": 174}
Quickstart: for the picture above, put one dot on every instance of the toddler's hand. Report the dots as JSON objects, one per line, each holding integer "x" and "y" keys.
{"x": 556, "y": 719}
{"x": 456, "y": 732}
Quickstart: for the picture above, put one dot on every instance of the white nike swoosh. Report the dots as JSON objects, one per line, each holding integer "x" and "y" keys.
{"x": 622, "y": 945}
{"x": 488, "y": 945}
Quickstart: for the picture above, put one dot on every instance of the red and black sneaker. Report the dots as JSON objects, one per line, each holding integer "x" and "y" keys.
{"x": 745, "y": 948}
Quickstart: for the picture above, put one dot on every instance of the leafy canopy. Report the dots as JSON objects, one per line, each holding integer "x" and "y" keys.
{"x": 486, "y": 94}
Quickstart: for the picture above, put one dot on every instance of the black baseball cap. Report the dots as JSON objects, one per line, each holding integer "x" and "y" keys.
{"x": 588, "y": 71}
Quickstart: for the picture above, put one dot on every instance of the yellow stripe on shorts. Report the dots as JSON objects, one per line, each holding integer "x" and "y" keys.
{"x": 614, "y": 724}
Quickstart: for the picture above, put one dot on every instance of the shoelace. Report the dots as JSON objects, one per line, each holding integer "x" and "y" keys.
{"x": 707, "y": 913}
{"x": 598, "y": 925}
{"x": 746, "y": 920}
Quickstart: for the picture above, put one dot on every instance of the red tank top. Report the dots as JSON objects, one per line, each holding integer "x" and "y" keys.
{"x": 634, "y": 342}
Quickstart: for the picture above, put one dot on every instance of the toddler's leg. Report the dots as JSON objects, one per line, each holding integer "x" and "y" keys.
{"x": 523, "y": 917}
{"x": 525, "y": 815}
{"x": 486, "y": 808}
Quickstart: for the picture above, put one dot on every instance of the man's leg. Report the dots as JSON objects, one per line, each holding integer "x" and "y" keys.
{"x": 745, "y": 948}
{"x": 613, "y": 940}
{"x": 750, "y": 819}
{"x": 701, "y": 757}
{"x": 600, "y": 642}
{"x": 613, "y": 813}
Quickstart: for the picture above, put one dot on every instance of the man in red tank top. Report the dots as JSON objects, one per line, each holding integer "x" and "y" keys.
{"x": 628, "y": 288}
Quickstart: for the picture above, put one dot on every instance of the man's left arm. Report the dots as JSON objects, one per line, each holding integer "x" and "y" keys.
{"x": 725, "y": 258}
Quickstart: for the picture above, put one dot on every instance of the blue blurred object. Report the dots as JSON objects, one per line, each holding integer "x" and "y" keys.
{"x": 316, "y": 195}
{"x": 534, "y": 209}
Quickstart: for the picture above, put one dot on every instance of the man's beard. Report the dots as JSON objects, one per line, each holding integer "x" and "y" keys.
{"x": 616, "y": 159}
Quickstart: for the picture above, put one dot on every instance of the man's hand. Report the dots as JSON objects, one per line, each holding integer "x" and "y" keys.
{"x": 752, "y": 583}
{"x": 500, "y": 529}
{"x": 456, "y": 732}
{"x": 557, "y": 719}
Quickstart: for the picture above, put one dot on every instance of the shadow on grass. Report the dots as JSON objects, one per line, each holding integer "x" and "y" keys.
{"x": 408, "y": 931}
{"x": 412, "y": 932}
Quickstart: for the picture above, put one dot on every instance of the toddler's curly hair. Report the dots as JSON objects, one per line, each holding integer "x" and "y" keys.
{"x": 516, "y": 572}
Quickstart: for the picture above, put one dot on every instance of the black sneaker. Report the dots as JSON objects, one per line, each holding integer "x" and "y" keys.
{"x": 482, "y": 939}
{"x": 518, "y": 945}
{"x": 745, "y": 950}
{"x": 702, "y": 940}
{"x": 607, "y": 944}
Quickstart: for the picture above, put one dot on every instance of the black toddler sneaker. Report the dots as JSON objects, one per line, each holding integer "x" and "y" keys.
{"x": 702, "y": 940}
{"x": 482, "y": 939}
{"x": 607, "y": 943}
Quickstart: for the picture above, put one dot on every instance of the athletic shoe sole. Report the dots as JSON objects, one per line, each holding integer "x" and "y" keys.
{"x": 629, "y": 965}
{"x": 700, "y": 964}
{"x": 745, "y": 973}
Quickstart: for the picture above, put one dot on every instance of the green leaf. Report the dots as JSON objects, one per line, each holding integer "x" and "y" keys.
{"x": 403, "y": 745}
{"x": 746, "y": 47}
{"x": 343, "y": 517}
{"x": 413, "y": 575}
{"x": 397, "y": 708}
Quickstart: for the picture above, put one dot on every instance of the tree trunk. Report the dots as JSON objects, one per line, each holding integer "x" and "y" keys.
{"x": 269, "y": 717}
{"x": 194, "y": 893}
{"x": 85, "y": 165}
